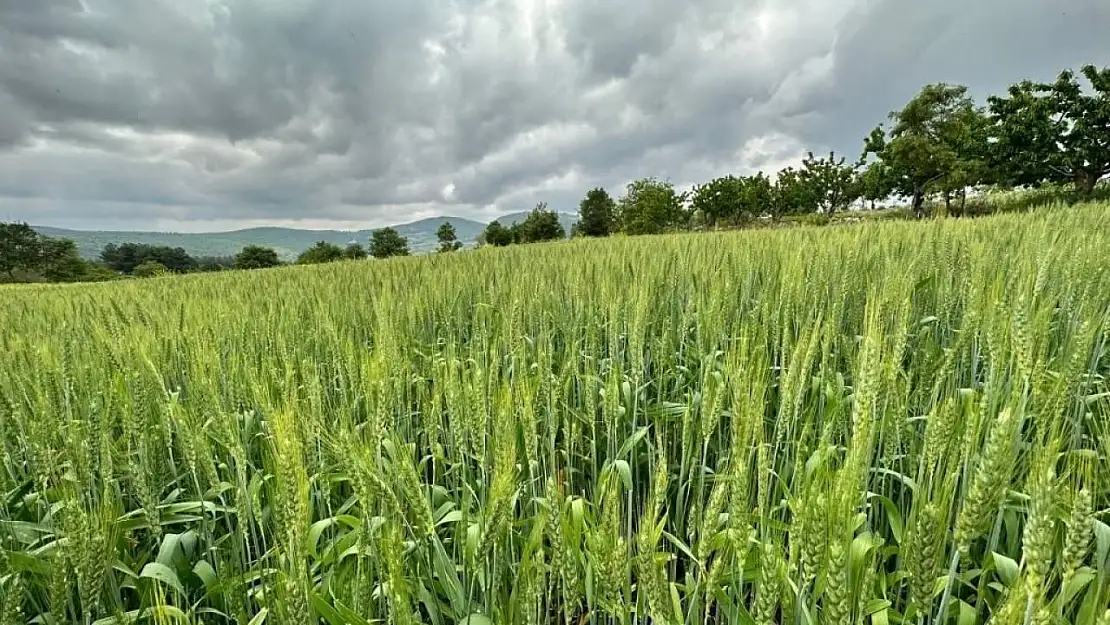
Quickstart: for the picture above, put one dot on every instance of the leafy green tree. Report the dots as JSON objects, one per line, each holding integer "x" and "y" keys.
{"x": 792, "y": 194}
{"x": 595, "y": 214}
{"x": 832, "y": 183}
{"x": 387, "y": 242}
{"x": 125, "y": 257}
{"x": 1053, "y": 133}
{"x": 354, "y": 251}
{"x": 758, "y": 195}
{"x": 256, "y": 257}
{"x": 59, "y": 261}
{"x": 541, "y": 224}
{"x": 215, "y": 263}
{"x": 497, "y": 235}
{"x": 928, "y": 143}
{"x": 448, "y": 240}
{"x": 720, "y": 200}
{"x": 875, "y": 182}
{"x": 20, "y": 248}
{"x": 320, "y": 252}
{"x": 651, "y": 206}
{"x": 150, "y": 269}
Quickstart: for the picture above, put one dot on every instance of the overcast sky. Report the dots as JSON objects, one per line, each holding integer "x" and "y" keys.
{"x": 199, "y": 115}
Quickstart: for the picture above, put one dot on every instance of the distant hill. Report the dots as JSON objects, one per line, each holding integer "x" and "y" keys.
{"x": 289, "y": 242}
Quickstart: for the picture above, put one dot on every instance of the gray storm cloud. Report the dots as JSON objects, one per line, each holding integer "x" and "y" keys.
{"x": 138, "y": 114}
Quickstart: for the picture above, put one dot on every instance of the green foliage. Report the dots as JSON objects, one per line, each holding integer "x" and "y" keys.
{"x": 894, "y": 422}
{"x": 595, "y": 214}
{"x": 19, "y": 248}
{"x": 321, "y": 252}
{"x": 540, "y": 225}
{"x": 256, "y": 257}
{"x": 126, "y": 257}
{"x": 150, "y": 269}
{"x": 387, "y": 242}
{"x": 1053, "y": 132}
{"x": 875, "y": 182}
{"x": 497, "y": 235}
{"x": 448, "y": 241}
{"x": 832, "y": 184}
{"x": 933, "y": 144}
{"x": 355, "y": 251}
{"x": 792, "y": 194}
{"x": 27, "y": 256}
{"x": 732, "y": 200}
{"x": 652, "y": 206}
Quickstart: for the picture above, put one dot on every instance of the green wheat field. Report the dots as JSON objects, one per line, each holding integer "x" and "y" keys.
{"x": 872, "y": 424}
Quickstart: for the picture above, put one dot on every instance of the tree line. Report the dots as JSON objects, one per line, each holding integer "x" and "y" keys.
{"x": 935, "y": 149}
{"x": 28, "y": 256}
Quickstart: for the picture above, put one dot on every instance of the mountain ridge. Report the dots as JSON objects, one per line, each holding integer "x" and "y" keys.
{"x": 288, "y": 242}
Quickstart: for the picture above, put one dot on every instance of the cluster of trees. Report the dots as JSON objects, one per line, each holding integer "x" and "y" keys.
{"x": 27, "y": 256}
{"x": 541, "y": 224}
{"x": 937, "y": 147}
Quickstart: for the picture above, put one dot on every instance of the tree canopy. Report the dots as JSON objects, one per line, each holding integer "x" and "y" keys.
{"x": 321, "y": 252}
{"x": 387, "y": 242}
{"x": 448, "y": 240}
{"x": 256, "y": 257}
{"x": 497, "y": 235}
{"x": 651, "y": 206}
{"x": 927, "y": 148}
{"x": 595, "y": 214}
{"x": 541, "y": 224}
{"x": 1053, "y": 132}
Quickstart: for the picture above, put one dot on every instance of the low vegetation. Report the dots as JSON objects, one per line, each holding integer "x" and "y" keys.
{"x": 906, "y": 423}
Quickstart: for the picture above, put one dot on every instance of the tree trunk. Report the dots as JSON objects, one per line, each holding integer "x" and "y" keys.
{"x": 918, "y": 204}
{"x": 1085, "y": 182}
{"x": 963, "y": 202}
{"x": 947, "y": 203}
{"x": 872, "y": 204}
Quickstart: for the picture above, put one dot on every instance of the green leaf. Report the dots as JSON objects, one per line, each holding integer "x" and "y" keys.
{"x": 1077, "y": 583}
{"x": 476, "y": 619}
{"x": 1006, "y": 567}
{"x": 632, "y": 441}
{"x": 453, "y": 516}
{"x": 967, "y": 614}
{"x": 1102, "y": 545}
{"x": 206, "y": 573}
{"x": 259, "y": 618}
{"x": 162, "y": 573}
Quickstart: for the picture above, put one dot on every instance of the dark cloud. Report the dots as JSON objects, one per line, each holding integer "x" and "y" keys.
{"x": 182, "y": 114}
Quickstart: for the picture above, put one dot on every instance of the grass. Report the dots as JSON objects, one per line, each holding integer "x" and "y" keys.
{"x": 890, "y": 423}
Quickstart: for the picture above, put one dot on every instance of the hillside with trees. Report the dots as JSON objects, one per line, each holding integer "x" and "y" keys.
{"x": 941, "y": 154}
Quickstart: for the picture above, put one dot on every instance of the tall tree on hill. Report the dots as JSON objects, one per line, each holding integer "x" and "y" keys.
{"x": 448, "y": 240}
{"x": 595, "y": 214}
{"x": 541, "y": 224}
{"x": 831, "y": 182}
{"x": 927, "y": 145}
{"x": 792, "y": 194}
{"x": 59, "y": 261}
{"x": 387, "y": 242}
{"x": 354, "y": 251}
{"x": 256, "y": 257}
{"x": 652, "y": 206}
{"x": 875, "y": 182}
{"x": 19, "y": 248}
{"x": 321, "y": 252}
{"x": 497, "y": 235}
{"x": 1053, "y": 132}
{"x": 720, "y": 200}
